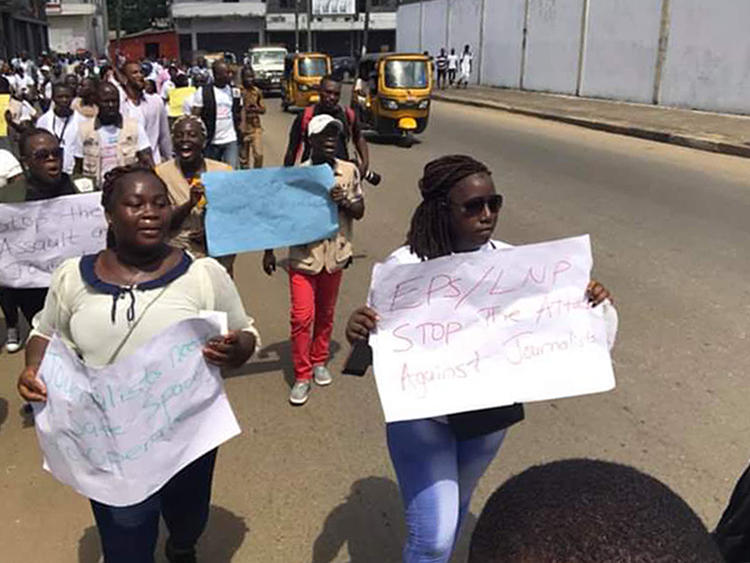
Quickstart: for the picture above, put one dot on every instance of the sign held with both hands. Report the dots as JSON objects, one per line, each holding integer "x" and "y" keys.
{"x": 487, "y": 329}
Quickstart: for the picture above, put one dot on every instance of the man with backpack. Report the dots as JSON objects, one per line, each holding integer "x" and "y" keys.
{"x": 219, "y": 106}
{"x": 298, "y": 149}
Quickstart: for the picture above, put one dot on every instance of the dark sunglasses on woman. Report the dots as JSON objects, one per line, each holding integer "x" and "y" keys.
{"x": 45, "y": 154}
{"x": 475, "y": 206}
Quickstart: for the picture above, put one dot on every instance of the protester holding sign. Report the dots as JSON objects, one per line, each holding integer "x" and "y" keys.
{"x": 315, "y": 269}
{"x": 104, "y": 307}
{"x": 438, "y": 461}
{"x": 183, "y": 178}
{"x": 41, "y": 156}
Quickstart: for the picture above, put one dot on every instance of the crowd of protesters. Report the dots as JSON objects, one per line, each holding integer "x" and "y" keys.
{"x": 143, "y": 133}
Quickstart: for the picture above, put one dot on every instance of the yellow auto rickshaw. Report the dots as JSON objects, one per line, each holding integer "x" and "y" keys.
{"x": 392, "y": 93}
{"x": 302, "y": 74}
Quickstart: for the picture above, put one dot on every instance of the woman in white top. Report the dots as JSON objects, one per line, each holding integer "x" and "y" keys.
{"x": 438, "y": 461}
{"x": 105, "y": 306}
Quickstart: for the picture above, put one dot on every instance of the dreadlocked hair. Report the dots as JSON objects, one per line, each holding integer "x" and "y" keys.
{"x": 430, "y": 232}
{"x": 113, "y": 181}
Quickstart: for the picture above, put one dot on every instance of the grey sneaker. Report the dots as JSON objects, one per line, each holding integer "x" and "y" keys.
{"x": 322, "y": 375}
{"x": 13, "y": 341}
{"x": 300, "y": 392}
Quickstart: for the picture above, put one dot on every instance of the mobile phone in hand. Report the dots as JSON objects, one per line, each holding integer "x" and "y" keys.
{"x": 360, "y": 358}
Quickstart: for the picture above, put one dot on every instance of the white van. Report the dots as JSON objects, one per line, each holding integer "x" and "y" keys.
{"x": 268, "y": 64}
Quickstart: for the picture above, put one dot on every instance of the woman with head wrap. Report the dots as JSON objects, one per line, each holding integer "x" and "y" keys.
{"x": 438, "y": 461}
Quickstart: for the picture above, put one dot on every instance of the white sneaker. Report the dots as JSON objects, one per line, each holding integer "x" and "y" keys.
{"x": 300, "y": 392}
{"x": 322, "y": 376}
{"x": 13, "y": 341}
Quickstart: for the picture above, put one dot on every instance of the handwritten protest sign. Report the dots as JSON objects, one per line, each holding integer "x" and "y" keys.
{"x": 118, "y": 433}
{"x": 487, "y": 329}
{"x": 177, "y": 98}
{"x": 268, "y": 208}
{"x": 36, "y": 236}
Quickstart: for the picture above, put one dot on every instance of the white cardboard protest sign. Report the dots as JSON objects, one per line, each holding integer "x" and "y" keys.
{"x": 36, "y": 236}
{"x": 118, "y": 433}
{"x": 487, "y": 329}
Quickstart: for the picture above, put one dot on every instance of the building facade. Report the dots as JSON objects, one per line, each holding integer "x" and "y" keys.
{"x": 23, "y": 27}
{"x": 338, "y": 35}
{"x": 207, "y": 26}
{"x": 79, "y": 25}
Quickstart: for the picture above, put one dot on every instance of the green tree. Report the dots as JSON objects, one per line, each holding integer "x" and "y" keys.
{"x": 137, "y": 15}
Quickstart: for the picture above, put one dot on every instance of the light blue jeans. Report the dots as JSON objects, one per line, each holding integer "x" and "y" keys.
{"x": 229, "y": 153}
{"x": 437, "y": 474}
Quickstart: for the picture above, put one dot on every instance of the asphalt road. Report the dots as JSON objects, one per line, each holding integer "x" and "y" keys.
{"x": 670, "y": 231}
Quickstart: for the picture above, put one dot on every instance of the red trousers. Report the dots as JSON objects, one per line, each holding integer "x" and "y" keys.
{"x": 313, "y": 304}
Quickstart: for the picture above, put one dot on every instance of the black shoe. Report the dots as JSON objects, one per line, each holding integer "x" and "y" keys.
{"x": 180, "y": 555}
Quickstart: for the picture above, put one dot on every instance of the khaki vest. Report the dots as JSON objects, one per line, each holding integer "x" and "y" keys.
{"x": 334, "y": 253}
{"x": 127, "y": 146}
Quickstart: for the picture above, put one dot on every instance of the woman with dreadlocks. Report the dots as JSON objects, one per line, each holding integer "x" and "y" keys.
{"x": 105, "y": 306}
{"x": 438, "y": 461}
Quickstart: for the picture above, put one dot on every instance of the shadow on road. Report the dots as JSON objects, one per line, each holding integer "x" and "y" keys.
{"x": 3, "y": 411}
{"x": 222, "y": 539}
{"x": 395, "y": 140}
{"x": 371, "y": 523}
{"x": 275, "y": 357}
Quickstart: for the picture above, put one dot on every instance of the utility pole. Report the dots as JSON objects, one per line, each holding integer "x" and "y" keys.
{"x": 309, "y": 26}
{"x": 118, "y": 30}
{"x": 366, "y": 31}
{"x": 296, "y": 26}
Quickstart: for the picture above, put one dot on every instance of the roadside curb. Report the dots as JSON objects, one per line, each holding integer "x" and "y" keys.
{"x": 661, "y": 136}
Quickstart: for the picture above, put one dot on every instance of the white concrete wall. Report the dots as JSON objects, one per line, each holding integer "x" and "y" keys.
{"x": 69, "y": 33}
{"x": 464, "y": 21}
{"x": 408, "y": 28}
{"x": 434, "y": 17}
{"x": 622, "y": 42}
{"x": 503, "y": 36}
{"x": 708, "y": 58}
{"x": 553, "y": 44}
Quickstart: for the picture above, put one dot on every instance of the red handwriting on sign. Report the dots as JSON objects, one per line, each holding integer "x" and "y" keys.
{"x": 497, "y": 314}
{"x": 425, "y": 334}
{"x": 550, "y": 309}
{"x": 522, "y": 347}
{"x": 421, "y": 290}
{"x": 418, "y": 382}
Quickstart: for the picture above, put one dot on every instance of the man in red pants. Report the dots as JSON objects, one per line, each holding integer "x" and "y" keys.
{"x": 315, "y": 269}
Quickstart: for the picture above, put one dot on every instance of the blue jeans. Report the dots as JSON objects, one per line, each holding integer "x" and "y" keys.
{"x": 129, "y": 533}
{"x": 229, "y": 153}
{"x": 437, "y": 474}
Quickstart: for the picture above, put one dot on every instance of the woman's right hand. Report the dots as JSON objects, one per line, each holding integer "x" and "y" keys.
{"x": 361, "y": 323}
{"x": 30, "y": 387}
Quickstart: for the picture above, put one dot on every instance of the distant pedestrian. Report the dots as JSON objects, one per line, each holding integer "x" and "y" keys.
{"x": 85, "y": 104}
{"x": 466, "y": 66}
{"x": 441, "y": 63}
{"x": 452, "y": 66}
{"x": 315, "y": 269}
{"x": 250, "y": 127}
{"x": 219, "y": 105}
{"x": 63, "y": 123}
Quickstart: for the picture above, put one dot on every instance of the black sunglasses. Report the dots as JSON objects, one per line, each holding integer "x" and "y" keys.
{"x": 476, "y": 206}
{"x": 44, "y": 154}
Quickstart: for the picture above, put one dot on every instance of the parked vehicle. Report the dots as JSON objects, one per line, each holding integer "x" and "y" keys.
{"x": 302, "y": 74}
{"x": 268, "y": 64}
{"x": 392, "y": 93}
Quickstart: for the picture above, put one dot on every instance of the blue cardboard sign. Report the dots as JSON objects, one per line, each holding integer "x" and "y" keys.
{"x": 268, "y": 208}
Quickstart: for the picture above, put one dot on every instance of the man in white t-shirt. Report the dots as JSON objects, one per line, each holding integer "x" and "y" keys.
{"x": 62, "y": 122}
{"x": 121, "y": 141}
{"x": 22, "y": 82}
{"x": 218, "y": 105}
{"x": 466, "y": 66}
{"x": 452, "y": 66}
{"x": 148, "y": 109}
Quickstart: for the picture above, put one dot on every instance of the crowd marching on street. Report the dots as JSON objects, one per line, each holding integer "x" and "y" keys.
{"x": 142, "y": 133}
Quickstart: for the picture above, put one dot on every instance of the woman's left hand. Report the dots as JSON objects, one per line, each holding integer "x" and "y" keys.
{"x": 231, "y": 350}
{"x": 596, "y": 293}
